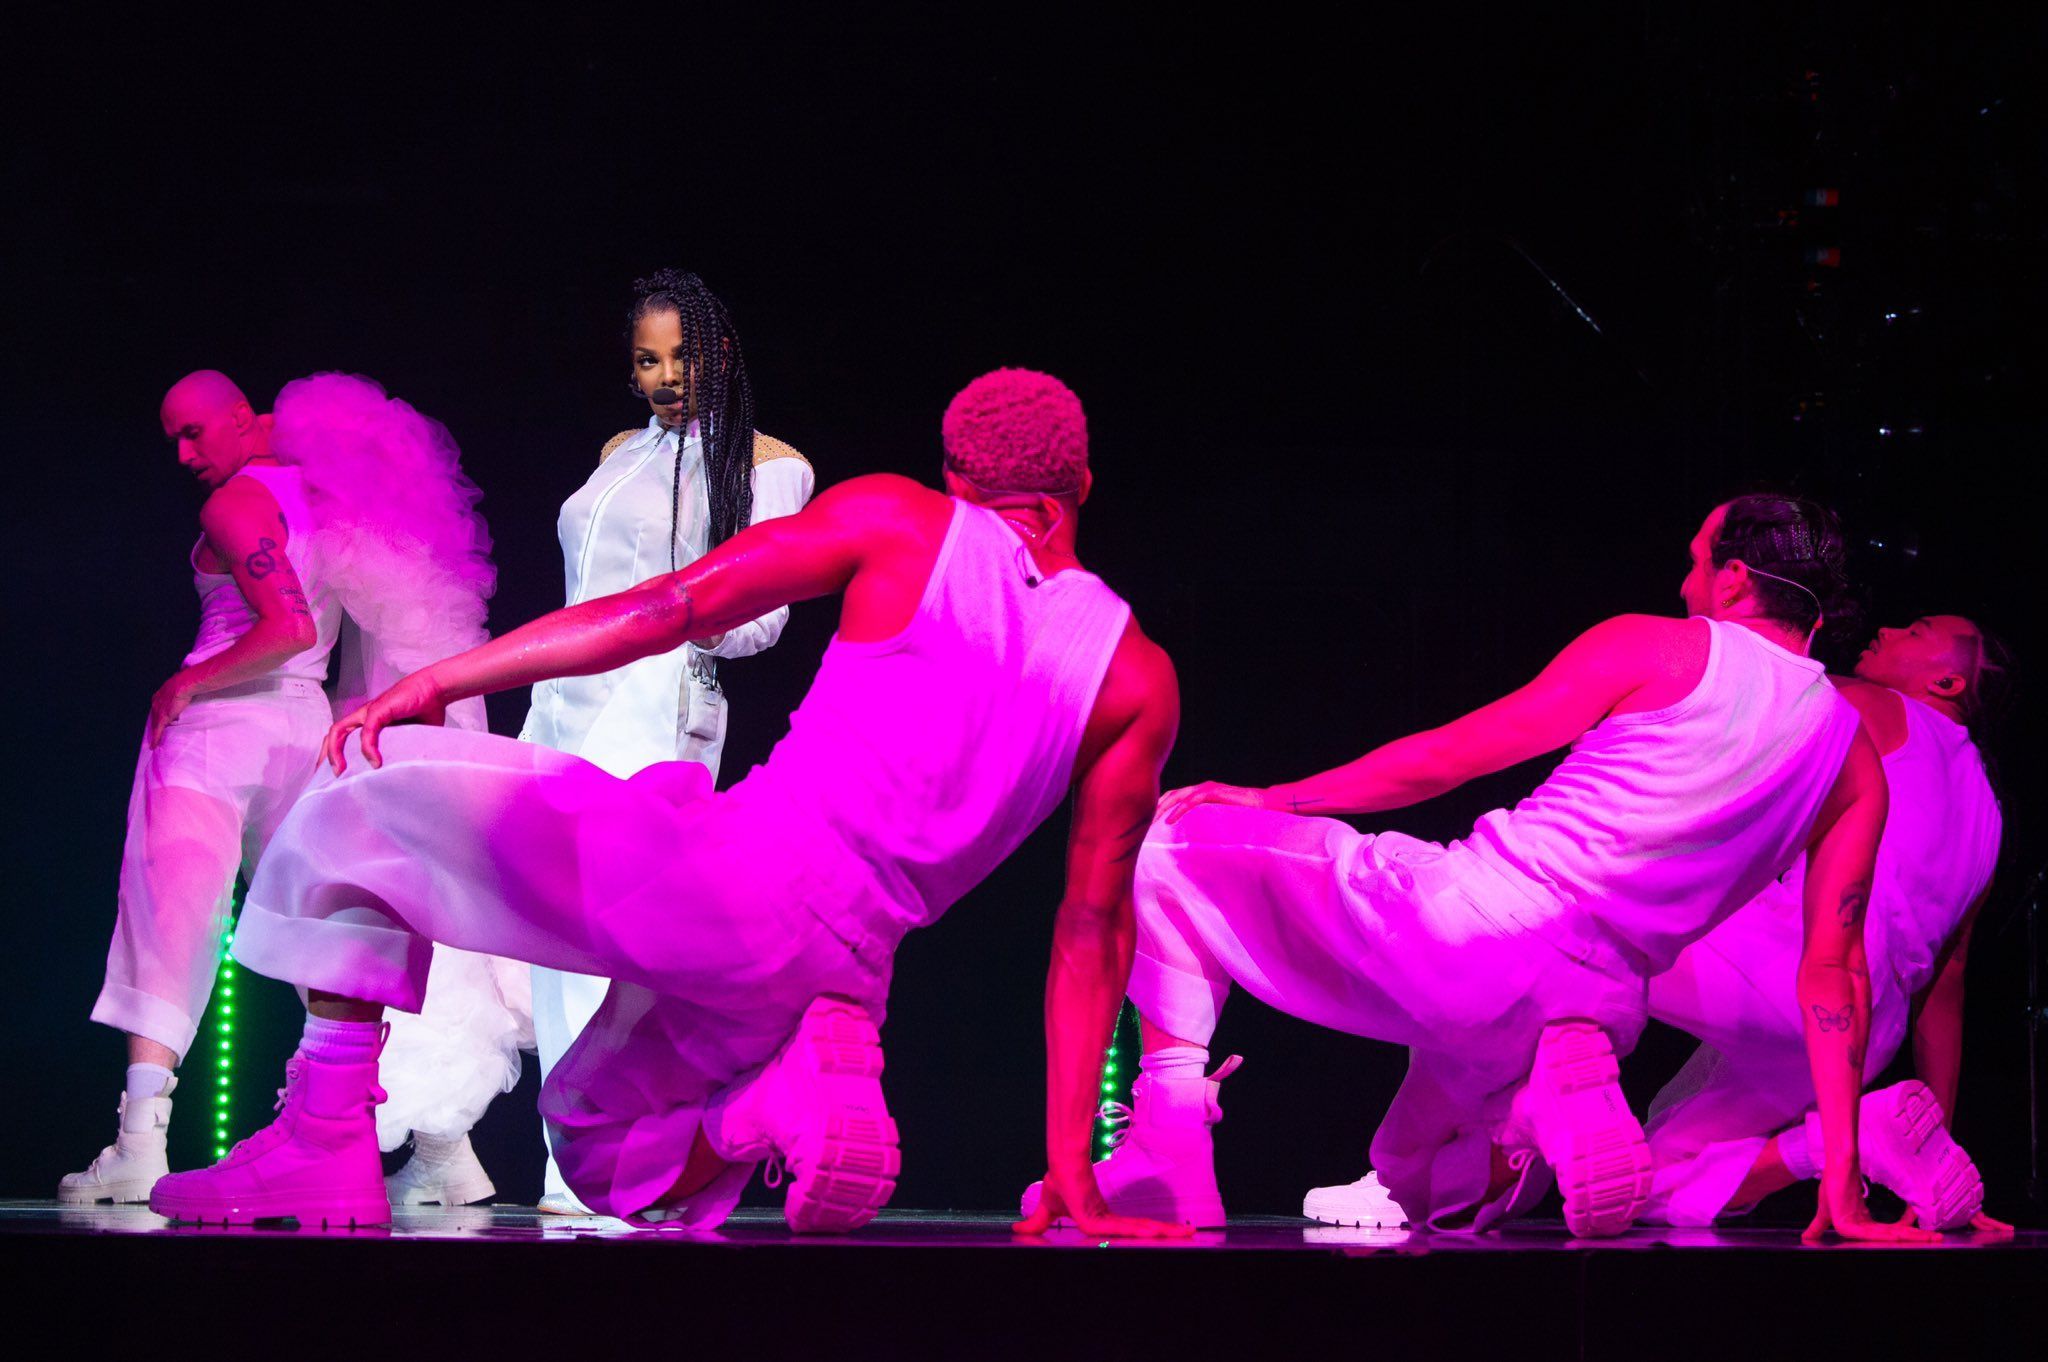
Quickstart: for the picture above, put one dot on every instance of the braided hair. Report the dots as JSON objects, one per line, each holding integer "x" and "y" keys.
{"x": 720, "y": 397}
{"x": 1799, "y": 544}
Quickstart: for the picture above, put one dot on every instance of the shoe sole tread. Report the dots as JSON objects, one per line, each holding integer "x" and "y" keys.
{"x": 1605, "y": 1179}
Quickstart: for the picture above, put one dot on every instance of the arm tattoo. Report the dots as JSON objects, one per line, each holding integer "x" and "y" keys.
{"x": 1853, "y": 901}
{"x": 262, "y": 561}
{"x": 297, "y": 598}
{"x": 1297, "y": 804}
{"x": 1132, "y": 839}
{"x": 1834, "y": 1019}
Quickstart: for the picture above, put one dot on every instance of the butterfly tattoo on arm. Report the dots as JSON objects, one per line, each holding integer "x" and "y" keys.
{"x": 1831, "y": 1020}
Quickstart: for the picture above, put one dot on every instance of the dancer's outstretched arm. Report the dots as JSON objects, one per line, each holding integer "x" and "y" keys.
{"x": 813, "y": 553}
{"x": 1129, "y": 736}
{"x": 1598, "y": 671}
{"x": 1834, "y": 985}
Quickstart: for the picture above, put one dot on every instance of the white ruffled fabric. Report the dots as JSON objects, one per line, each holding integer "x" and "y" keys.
{"x": 443, "y": 1066}
{"x": 398, "y": 539}
{"x": 400, "y": 543}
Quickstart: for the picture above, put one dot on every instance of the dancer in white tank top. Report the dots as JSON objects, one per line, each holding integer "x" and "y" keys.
{"x": 305, "y": 553}
{"x": 1706, "y": 753}
{"x": 979, "y": 675}
{"x": 1728, "y": 1130}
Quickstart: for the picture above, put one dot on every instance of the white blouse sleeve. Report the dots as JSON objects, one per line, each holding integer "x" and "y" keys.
{"x": 781, "y": 487}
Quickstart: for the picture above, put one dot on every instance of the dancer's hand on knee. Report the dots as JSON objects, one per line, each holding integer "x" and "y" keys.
{"x": 1174, "y": 803}
{"x": 1090, "y": 1213}
{"x": 1841, "y": 1208}
{"x": 416, "y": 699}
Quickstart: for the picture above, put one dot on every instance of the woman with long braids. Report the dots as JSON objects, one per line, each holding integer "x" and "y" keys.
{"x": 661, "y": 496}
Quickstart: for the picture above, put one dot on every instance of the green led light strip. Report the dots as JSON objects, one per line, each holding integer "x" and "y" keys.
{"x": 1119, "y": 1067}
{"x": 224, "y": 1043}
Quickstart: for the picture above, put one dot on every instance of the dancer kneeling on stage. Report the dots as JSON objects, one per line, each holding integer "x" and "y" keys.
{"x": 1706, "y": 754}
{"x": 1734, "y": 1125}
{"x": 978, "y": 673}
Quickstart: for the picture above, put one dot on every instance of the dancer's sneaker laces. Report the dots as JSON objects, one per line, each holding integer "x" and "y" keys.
{"x": 1116, "y": 1120}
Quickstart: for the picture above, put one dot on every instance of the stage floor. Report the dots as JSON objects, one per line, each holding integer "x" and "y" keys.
{"x": 950, "y": 1284}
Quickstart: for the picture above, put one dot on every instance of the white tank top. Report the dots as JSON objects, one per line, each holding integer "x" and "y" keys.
{"x": 225, "y": 614}
{"x": 917, "y": 764}
{"x": 1659, "y": 824}
{"x": 1940, "y": 846}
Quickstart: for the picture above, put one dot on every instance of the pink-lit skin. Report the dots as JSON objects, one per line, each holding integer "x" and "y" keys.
{"x": 873, "y": 539}
{"x": 1933, "y": 661}
{"x": 1629, "y": 664}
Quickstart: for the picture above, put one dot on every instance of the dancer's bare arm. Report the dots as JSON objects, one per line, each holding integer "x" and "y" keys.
{"x": 1833, "y": 985}
{"x": 1597, "y": 672}
{"x": 858, "y": 528}
{"x": 245, "y": 530}
{"x": 1116, "y": 790}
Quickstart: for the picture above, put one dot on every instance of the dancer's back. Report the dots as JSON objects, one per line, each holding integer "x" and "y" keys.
{"x": 1659, "y": 823}
{"x": 1940, "y": 843}
{"x": 931, "y": 751}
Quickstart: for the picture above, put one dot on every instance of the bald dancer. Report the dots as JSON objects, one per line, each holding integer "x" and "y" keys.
{"x": 232, "y": 737}
{"x": 1731, "y": 1127}
{"x": 979, "y": 673}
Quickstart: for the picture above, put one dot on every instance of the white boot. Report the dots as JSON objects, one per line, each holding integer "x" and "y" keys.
{"x": 1363, "y": 1203}
{"x": 128, "y": 1168}
{"x": 1163, "y": 1166}
{"x": 440, "y": 1172}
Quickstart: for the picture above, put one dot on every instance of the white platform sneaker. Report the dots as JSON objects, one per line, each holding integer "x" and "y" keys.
{"x": 816, "y": 1114}
{"x": 128, "y": 1168}
{"x": 1162, "y": 1165}
{"x": 1363, "y": 1203}
{"x": 441, "y": 1172}
{"x": 1584, "y": 1130}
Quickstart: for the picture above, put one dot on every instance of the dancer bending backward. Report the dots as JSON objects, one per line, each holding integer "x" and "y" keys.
{"x": 1706, "y": 753}
{"x": 1728, "y": 1130}
{"x": 661, "y": 496}
{"x": 301, "y": 544}
{"x": 978, "y": 673}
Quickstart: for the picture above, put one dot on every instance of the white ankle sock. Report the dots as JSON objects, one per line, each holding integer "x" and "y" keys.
{"x": 147, "y": 1080}
{"x": 1175, "y": 1061}
{"x": 340, "y": 1042}
{"x": 1796, "y": 1152}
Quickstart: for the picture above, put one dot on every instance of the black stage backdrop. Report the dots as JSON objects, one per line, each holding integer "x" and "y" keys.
{"x": 1409, "y": 350}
